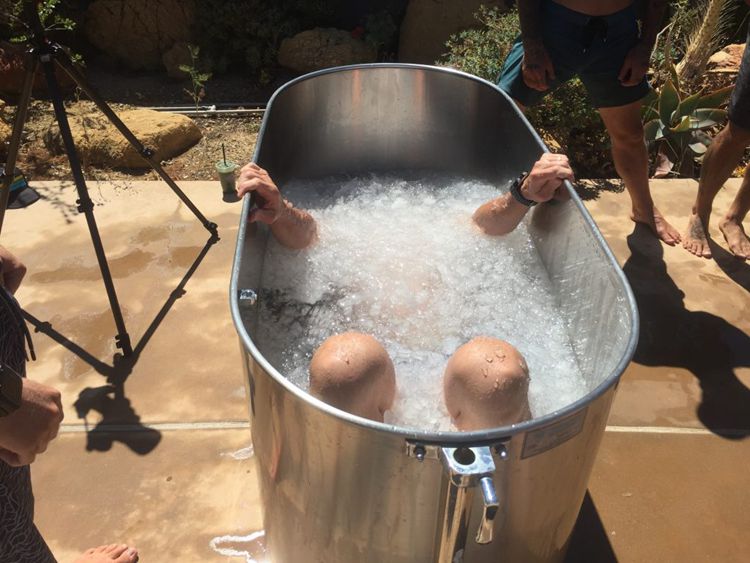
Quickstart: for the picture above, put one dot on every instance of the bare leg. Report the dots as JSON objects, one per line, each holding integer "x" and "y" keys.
{"x": 114, "y": 553}
{"x": 486, "y": 385}
{"x": 353, "y": 372}
{"x": 731, "y": 225}
{"x": 719, "y": 161}
{"x": 629, "y": 152}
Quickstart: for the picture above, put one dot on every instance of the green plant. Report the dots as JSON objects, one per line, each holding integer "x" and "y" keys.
{"x": 246, "y": 34}
{"x": 677, "y": 122}
{"x": 380, "y": 30}
{"x": 48, "y": 15}
{"x": 197, "y": 78}
{"x": 565, "y": 116}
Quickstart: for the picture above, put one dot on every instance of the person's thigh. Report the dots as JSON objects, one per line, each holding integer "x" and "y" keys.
{"x": 739, "y": 104}
{"x": 560, "y": 38}
{"x": 605, "y": 59}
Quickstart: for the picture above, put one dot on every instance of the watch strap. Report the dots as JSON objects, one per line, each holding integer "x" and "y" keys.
{"x": 515, "y": 191}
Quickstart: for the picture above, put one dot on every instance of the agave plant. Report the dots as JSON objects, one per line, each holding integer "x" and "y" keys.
{"x": 677, "y": 123}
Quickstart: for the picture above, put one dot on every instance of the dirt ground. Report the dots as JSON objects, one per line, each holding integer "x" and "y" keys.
{"x": 237, "y": 133}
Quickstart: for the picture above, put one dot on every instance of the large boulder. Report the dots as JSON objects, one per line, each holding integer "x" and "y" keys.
{"x": 138, "y": 32}
{"x": 727, "y": 60}
{"x": 13, "y": 73}
{"x": 428, "y": 24}
{"x": 178, "y": 55}
{"x": 320, "y": 48}
{"x": 99, "y": 143}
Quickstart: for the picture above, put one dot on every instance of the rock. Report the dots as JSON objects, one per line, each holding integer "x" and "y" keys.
{"x": 138, "y": 32}
{"x": 428, "y": 24}
{"x": 13, "y": 73}
{"x": 5, "y": 133}
{"x": 178, "y": 55}
{"x": 319, "y": 48}
{"x": 99, "y": 143}
{"x": 727, "y": 60}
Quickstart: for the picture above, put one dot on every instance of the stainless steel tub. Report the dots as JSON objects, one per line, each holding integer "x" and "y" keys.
{"x": 340, "y": 489}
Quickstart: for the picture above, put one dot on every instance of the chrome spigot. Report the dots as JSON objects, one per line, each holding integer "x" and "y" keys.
{"x": 491, "y": 506}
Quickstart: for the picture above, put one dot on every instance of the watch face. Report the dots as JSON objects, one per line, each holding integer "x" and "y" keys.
{"x": 11, "y": 385}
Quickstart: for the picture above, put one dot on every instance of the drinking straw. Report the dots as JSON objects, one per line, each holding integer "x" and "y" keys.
{"x": 224, "y": 154}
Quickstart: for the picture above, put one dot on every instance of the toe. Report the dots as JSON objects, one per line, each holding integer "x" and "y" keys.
{"x": 117, "y": 551}
{"x": 130, "y": 555}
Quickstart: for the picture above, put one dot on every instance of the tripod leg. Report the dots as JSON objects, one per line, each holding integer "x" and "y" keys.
{"x": 15, "y": 140}
{"x": 85, "y": 205}
{"x": 66, "y": 64}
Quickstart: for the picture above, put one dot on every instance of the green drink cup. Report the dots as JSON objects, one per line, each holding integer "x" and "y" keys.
{"x": 226, "y": 169}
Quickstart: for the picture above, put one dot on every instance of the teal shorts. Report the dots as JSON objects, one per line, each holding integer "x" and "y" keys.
{"x": 592, "y": 48}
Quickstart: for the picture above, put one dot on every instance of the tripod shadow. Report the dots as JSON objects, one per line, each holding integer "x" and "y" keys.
{"x": 590, "y": 541}
{"x": 705, "y": 344}
{"x": 119, "y": 421}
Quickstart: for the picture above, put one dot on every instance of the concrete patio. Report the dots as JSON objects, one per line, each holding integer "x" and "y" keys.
{"x": 671, "y": 481}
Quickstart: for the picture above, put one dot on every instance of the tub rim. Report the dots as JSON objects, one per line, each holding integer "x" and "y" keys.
{"x": 486, "y": 436}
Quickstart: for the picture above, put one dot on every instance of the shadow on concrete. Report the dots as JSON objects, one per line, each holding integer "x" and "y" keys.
{"x": 119, "y": 421}
{"x": 735, "y": 268}
{"x": 590, "y": 541}
{"x": 705, "y": 344}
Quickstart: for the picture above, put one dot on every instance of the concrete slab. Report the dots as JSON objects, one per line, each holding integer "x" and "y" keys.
{"x": 195, "y": 487}
{"x": 691, "y": 368}
{"x": 671, "y": 497}
{"x": 173, "y": 289}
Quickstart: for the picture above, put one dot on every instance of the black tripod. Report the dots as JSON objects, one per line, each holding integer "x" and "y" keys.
{"x": 42, "y": 50}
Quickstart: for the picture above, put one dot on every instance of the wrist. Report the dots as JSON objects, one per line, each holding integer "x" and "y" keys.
{"x": 519, "y": 190}
{"x": 284, "y": 211}
{"x": 11, "y": 386}
{"x": 533, "y": 45}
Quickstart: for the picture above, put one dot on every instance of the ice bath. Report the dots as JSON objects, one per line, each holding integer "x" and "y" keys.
{"x": 339, "y": 488}
{"x": 400, "y": 258}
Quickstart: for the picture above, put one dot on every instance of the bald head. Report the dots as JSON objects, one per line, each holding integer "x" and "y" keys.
{"x": 486, "y": 385}
{"x": 353, "y": 372}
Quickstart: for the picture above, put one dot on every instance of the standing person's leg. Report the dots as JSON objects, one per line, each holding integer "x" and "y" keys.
{"x": 731, "y": 225}
{"x": 720, "y": 159}
{"x": 629, "y": 152}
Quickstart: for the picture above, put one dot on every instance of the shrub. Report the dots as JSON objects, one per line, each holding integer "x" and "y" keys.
{"x": 566, "y": 115}
{"x": 246, "y": 34}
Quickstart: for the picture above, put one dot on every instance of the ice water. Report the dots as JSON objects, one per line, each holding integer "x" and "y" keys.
{"x": 401, "y": 260}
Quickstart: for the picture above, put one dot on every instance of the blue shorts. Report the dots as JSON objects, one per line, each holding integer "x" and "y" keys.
{"x": 739, "y": 104}
{"x": 592, "y": 48}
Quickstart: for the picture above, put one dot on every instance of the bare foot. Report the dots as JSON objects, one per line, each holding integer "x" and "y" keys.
{"x": 659, "y": 225}
{"x": 116, "y": 552}
{"x": 695, "y": 240}
{"x": 736, "y": 237}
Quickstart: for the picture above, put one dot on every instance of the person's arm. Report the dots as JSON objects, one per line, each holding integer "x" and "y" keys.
{"x": 636, "y": 62}
{"x": 28, "y": 430}
{"x": 537, "y": 66}
{"x": 293, "y": 228}
{"x": 12, "y": 270}
{"x": 503, "y": 214}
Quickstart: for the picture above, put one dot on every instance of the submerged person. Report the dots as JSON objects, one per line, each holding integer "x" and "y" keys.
{"x": 485, "y": 383}
{"x": 601, "y": 42}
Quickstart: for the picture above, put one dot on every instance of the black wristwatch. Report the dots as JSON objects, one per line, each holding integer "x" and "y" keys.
{"x": 10, "y": 390}
{"x": 515, "y": 191}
